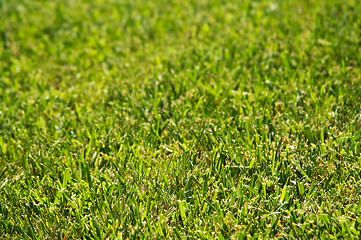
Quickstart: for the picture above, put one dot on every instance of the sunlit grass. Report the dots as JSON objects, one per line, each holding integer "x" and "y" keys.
{"x": 180, "y": 119}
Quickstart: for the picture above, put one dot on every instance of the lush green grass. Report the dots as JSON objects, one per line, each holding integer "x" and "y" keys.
{"x": 180, "y": 119}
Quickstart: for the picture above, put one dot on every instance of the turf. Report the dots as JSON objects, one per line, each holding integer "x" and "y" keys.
{"x": 180, "y": 119}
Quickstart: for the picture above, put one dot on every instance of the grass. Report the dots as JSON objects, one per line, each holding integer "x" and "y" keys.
{"x": 180, "y": 119}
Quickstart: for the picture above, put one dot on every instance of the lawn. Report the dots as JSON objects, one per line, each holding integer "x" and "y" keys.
{"x": 180, "y": 119}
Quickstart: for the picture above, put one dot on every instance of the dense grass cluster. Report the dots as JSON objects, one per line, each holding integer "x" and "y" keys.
{"x": 180, "y": 119}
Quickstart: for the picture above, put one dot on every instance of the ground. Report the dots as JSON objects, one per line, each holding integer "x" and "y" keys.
{"x": 180, "y": 119}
